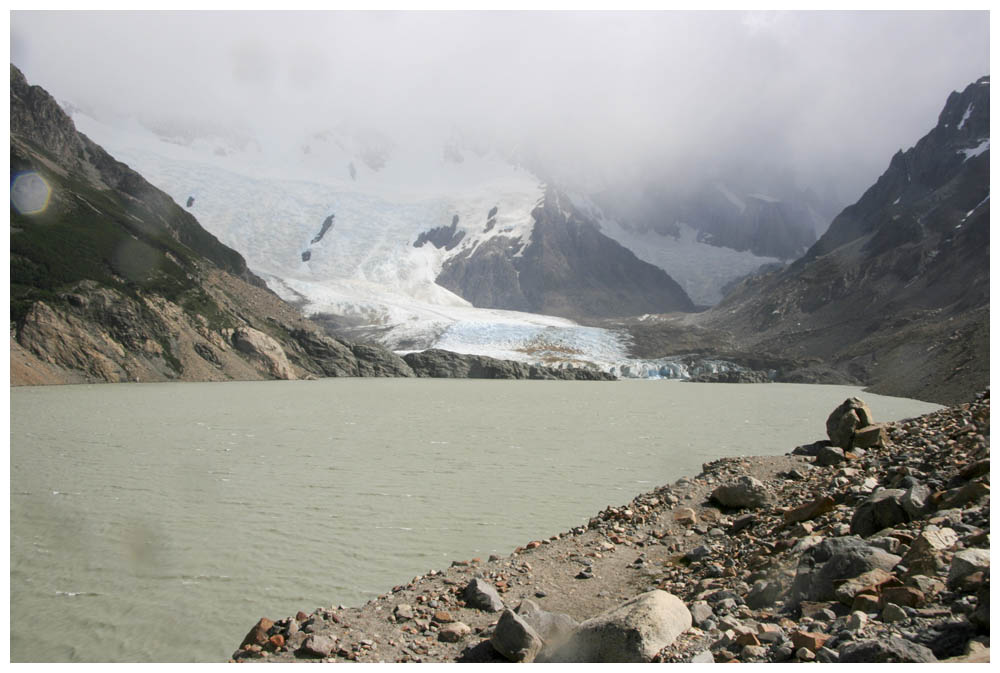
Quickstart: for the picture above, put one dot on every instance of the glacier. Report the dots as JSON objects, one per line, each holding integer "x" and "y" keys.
{"x": 269, "y": 203}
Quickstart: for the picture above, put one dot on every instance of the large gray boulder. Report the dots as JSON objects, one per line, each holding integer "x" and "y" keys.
{"x": 884, "y": 650}
{"x": 849, "y": 417}
{"x": 745, "y": 492}
{"x": 481, "y": 595}
{"x": 633, "y": 632}
{"x": 883, "y": 509}
{"x": 823, "y": 567}
{"x": 514, "y": 639}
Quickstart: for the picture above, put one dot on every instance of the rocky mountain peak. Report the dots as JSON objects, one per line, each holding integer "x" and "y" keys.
{"x": 36, "y": 115}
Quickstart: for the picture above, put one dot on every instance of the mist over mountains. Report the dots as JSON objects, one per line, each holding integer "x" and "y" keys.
{"x": 505, "y": 184}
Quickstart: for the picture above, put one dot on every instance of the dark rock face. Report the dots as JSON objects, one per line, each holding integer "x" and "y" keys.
{"x": 325, "y": 227}
{"x": 441, "y": 237}
{"x": 435, "y": 363}
{"x": 568, "y": 269}
{"x": 896, "y": 292}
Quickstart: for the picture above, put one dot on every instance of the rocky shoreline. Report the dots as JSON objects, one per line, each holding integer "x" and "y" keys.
{"x": 876, "y": 550}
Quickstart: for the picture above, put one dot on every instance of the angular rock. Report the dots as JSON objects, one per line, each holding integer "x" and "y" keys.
{"x": 685, "y": 516}
{"x": 830, "y": 455}
{"x": 867, "y": 582}
{"x": 871, "y": 435}
{"x": 883, "y": 509}
{"x": 745, "y": 492}
{"x": 963, "y": 495}
{"x": 866, "y": 603}
{"x": 824, "y": 567}
{"x": 454, "y": 632}
{"x": 810, "y": 510}
{"x": 318, "y": 646}
{"x": 925, "y": 556}
{"x": 884, "y": 650}
{"x": 892, "y": 613}
{"x": 403, "y": 612}
{"x": 515, "y": 639}
{"x": 703, "y": 657}
{"x": 481, "y": 595}
{"x": 700, "y": 611}
{"x": 808, "y": 640}
{"x": 916, "y": 501}
{"x": 904, "y": 596}
{"x": 258, "y": 634}
{"x": 632, "y": 632}
{"x": 967, "y": 562}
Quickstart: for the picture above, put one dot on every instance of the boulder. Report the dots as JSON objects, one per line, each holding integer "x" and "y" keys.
{"x": 633, "y": 632}
{"x": 916, "y": 502}
{"x": 925, "y": 556}
{"x": 884, "y": 650}
{"x": 830, "y": 455}
{"x": 882, "y": 509}
{"x": 514, "y": 639}
{"x": 967, "y": 562}
{"x": 870, "y": 435}
{"x": 745, "y": 492}
{"x": 824, "y": 567}
{"x": 318, "y": 646}
{"x": 864, "y": 583}
{"x": 845, "y": 420}
{"x": 481, "y": 595}
{"x": 258, "y": 635}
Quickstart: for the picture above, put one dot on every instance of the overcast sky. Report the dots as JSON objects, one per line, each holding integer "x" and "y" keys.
{"x": 830, "y": 96}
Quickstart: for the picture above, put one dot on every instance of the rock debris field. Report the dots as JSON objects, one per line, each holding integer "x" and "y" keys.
{"x": 869, "y": 546}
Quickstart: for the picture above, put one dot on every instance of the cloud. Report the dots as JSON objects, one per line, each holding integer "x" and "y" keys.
{"x": 827, "y": 96}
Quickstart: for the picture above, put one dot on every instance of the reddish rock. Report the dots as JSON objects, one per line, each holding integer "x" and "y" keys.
{"x": 811, "y": 641}
{"x": 276, "y": 641}
{"x": 810, "y": 510}
{"x": 443, "y": 617}
{"x": 301, "y": 616}
{"x": 908, "y": 596}
{"x": 865, "y": 603}
{"x": 258, "y": 634}
{"x": 745, "y": 639}
{"x": 533, "y": 544}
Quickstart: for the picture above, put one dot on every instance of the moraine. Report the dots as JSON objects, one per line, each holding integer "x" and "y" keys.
{"x": 152, "y": 522}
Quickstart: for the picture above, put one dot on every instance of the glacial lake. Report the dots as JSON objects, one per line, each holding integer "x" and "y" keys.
{"x": 158, "y": 522}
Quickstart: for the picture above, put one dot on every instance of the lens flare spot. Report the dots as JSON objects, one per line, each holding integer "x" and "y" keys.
{"x": 30, "y": 193}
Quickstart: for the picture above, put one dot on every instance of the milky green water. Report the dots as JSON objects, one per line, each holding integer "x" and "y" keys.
{"x": 158, "y": 522}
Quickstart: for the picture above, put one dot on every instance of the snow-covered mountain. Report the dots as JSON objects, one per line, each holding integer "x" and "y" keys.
{"x": 372, "y": 230}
